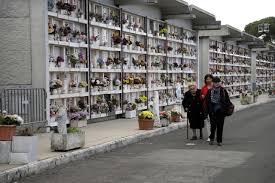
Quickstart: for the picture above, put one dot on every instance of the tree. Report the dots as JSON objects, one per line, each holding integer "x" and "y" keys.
{"x": 252, "y": 28}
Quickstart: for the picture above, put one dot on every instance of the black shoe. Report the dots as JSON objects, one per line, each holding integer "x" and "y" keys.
{"x": 211, "y": 142}
{"x": 194, "y": 138}
{"x": 219, "y": 144}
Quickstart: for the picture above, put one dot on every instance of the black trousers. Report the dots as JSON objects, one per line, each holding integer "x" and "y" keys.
{"x": 217, "y": 122}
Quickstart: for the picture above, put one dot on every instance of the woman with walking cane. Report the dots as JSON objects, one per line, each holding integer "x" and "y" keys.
{"x": 193, "y": 106}
{"x": 208, "y": 78}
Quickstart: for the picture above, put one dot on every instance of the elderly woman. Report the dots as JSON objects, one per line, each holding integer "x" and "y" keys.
{"x": 192, "y": 104}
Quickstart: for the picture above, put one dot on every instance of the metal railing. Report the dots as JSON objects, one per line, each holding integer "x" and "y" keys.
{"x": 30, "y": 104}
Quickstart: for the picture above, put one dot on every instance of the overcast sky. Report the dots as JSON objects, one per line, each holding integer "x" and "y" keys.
{"x": 237, "y": 13}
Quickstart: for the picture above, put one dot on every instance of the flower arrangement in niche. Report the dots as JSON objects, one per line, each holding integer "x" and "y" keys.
{"x": 182, "y": 50}
{"x": 73, "y": 84}
{"x": 131, "y": 107}
{"x": 54, "y": 109}
{"x": 95, "y": 108}
{"x": 52, "y": 28}
{"x": 82, "y": 59}
{"x": 117, "y": 61}
{"x": 50, "y": 5}
{"x": 109, "y": 61}
{"x": 61, "y": 5}
{"x": 169, "y": 48}
{"x": 64, "y": 31}
{"x": 117, "y": 82}
{"x": 116, "y": 38}
{"x": 106, "y": 81}
{"x": 82, "y": 84}
{"x": 59, "y": 60}
{"x": 143, "y": 98}
{"x": 56, "y": 84}
{"x": 83, "y": 37}
{"x": 94, "y": 38}
{"x": 135, "y": 62}
{"x": 75, "y": 33}
{"x": 142, "y": 63}
{"x": 163, "y": 31}
{"x": 139, "y": 44}
{"x": 104, "y": 108}
{"x": 79, "y": 13}
{"x": 100, "y": 62}
{"x": 82, "y": 104}
{"x": 127, "y": 41}
{"x": 73, "y": 60}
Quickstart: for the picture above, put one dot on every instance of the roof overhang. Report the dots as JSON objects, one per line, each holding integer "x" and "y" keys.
{"x": 167, "y": 7}
{"x": 204, "y": 20}
{"x": 179, "y": 9}
{"x": 242, "y": 38}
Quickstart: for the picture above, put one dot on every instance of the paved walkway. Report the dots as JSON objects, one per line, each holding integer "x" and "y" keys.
{"x": 247, "y": 156}
{"x": 108, "y": 131}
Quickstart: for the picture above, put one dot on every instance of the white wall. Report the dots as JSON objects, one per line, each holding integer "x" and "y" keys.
{"x": 15, "y": 43}
{"x": 187, "y": 24}
{"x": 144, "y": 10}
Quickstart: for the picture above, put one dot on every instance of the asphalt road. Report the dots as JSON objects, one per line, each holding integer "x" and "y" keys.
{"x": 247, "y": 156}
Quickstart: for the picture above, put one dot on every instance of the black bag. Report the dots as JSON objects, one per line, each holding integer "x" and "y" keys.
{"x": 229, "y": 106}
{"x": 229, "y": 109}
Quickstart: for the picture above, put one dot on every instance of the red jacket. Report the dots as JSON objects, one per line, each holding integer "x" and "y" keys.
{"x": 204, "y": 91}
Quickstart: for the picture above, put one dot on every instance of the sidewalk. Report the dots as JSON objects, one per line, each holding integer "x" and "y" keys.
{"x": 100, "y": 137}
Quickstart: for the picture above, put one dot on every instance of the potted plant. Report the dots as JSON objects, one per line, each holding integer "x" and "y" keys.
{"x": 52, "y": 31}
{"x": 73, "y": 139}
{"x": 164, "y": 118}
{"x": 101, "y": 63}
{"x": 73, "y": 86}
{"x": 175, "y": 116}
{"x": 73, "y": 60}
{"x": 146, "y": 120}
{"x": 24, "y": 146}
{"x": 78, "y": 117}
{"x": 116, "y": 38}
{"x": 8, "y": 125}
{"x": 131, "y": 110}
{"x": 55, "y": 86}
{"x": 245, "y": 99}
{"x": 163, "y": 32}
{"x": 82, "y": 85}
{"x": 117, "y": 84}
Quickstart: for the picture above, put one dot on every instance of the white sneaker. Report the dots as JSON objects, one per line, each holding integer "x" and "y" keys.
{"x": 208, "y": 140}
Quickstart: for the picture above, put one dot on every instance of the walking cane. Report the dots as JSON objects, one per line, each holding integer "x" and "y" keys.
{"x": 187, "y": 128}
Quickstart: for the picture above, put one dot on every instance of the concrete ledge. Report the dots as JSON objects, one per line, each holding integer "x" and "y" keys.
{"x": 36, "y": 167}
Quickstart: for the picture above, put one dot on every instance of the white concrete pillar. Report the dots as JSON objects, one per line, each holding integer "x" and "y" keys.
{"x": 253, "y": 70}
{"x": 203, "y": 59}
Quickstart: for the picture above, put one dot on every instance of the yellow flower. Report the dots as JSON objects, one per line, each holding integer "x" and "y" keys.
{"x": 146, "y": 115}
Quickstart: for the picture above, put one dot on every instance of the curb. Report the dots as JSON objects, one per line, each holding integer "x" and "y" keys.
{"x": 255, "y": 104}
{"x": 37, "y": 167}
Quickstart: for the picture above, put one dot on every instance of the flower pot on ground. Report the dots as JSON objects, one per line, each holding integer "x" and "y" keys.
{"x": 74, "y": 139}
{"x": 164, "y": 119}
{"x": 146, "y": 120}
{"x": 175, "y": 117}
{"x": 8, "y": 125}
{"x": 131, "y": 110}
{"x": 130, "y": 114}
{"x": 245, "y": 99}
{"x": 24, "y": 147}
